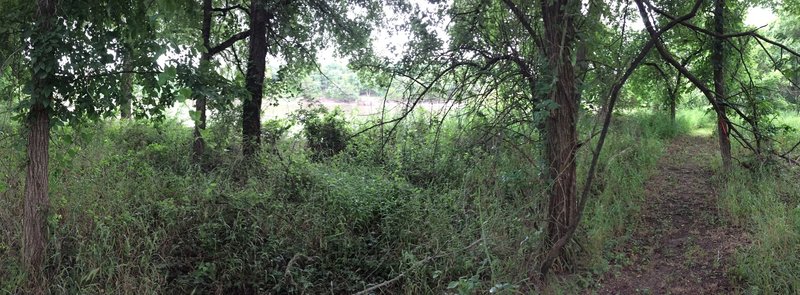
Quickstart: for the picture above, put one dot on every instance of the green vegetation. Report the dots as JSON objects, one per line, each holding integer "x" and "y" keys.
{"x": 765, "y": 203}
{"x": 766, "y": 206}
{"x": 132, "y": 215}
{"x": 505, "y": 146}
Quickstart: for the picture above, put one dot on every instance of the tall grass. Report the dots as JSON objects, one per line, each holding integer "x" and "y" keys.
{"x": 768, "y": 209}
{"x": 766, "y": 205}
{"x": 444, "y": 207}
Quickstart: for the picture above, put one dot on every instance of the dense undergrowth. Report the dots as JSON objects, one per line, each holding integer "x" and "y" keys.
{"x": 448, "y": 207}
{"x": 765, "y": 202}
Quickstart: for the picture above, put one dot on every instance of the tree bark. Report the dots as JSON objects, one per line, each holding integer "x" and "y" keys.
{"x": 126, "y": 98}
{"x": 199, "y": 145}
{"x": 37, "y": 202}
{"x": 718, "y": 62}
{"x": 673, "y": 98}
{"x": 560, "y": 126}
{"x": 251, "y": 108}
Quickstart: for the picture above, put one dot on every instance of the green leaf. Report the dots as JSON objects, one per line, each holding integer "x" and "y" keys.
{"x": 71, "y": 152}
{"x": 67, "y": 139}
{"x": 167, "y": 75}
{"x": 205, "y": 133}
{"x": 184, "y": 94}
{"x": 194, "y": 115}
{"x": 453, "y": 284}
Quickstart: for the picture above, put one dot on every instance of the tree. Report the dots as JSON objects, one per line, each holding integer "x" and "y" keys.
{"x": 208, "y": 52}
{"x": 251, "y": 108}
{"x": 561, "y": 136}
{"x": 293, "y": 31}
{"x": 718, "y": 62}
{"x": 72, "y": 78}
{"x": 498, "y": 53}
{"x": 37, "y": 202}
{"x": 746, "y": 87}
{"x": 126, "y": 97}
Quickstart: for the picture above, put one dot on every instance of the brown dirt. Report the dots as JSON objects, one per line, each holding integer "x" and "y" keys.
{"x": 679, "y": 245}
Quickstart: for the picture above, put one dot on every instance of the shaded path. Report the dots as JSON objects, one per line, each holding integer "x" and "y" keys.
{"x": 679, "y": 245}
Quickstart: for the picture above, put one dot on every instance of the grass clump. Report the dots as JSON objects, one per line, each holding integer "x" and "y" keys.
{"x": 767, "y": 206}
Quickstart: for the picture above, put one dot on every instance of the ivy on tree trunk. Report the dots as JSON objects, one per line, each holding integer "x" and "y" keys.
{"x": 560, "y": 126}
{"x": 37, "y": 202}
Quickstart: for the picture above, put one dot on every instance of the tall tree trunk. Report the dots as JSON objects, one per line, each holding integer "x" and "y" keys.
{"x": 37, "y": 202}
{"x": 718, "y": 62}
{"x": 251, "y": 109}
{"x": 199, "y": 146}
{"x": 673, "y": 98}
{"x": 560, "y": 126}
{"x": 672, "y": 106}
{"x": 126, "y": 99}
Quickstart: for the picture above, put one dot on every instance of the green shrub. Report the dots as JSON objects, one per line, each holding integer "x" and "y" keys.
{"x": 326, "y": 132}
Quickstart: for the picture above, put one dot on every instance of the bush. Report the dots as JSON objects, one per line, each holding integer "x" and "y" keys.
{"x": 325, "y": 131}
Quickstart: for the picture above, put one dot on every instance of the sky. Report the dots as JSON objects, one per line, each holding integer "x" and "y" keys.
{"x": 759, "y": 16}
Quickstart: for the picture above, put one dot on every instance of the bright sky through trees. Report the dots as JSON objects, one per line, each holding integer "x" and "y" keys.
{"x": 759, "y": 16}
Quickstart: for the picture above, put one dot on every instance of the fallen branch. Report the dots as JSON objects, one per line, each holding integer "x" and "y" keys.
{"x": 787, "y": 158}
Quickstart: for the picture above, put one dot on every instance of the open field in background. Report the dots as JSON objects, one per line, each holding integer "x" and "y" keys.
{"x": 360, "y": 109}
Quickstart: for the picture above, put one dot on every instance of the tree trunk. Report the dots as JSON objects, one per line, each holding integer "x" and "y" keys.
{"x": 126, "y": 98}
{"x": 37, "y": 202}
{"x": 673, "y": 98}
{"x": 718, "y": 62}
{"x": 560, "y": 126}
{"x": 672, "y": 106}
{"x": 251, "y": 109}
{"x": 199, "y": 145}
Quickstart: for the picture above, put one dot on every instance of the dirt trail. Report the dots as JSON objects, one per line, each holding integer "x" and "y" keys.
{"x": 679, "y": 245}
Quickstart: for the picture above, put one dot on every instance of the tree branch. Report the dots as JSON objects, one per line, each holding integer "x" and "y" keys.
{"x": 523, "y": 19}
{"x": 225, "y": 10}
{"x": 228, "y": 43}
{"x": 708, "y": 93}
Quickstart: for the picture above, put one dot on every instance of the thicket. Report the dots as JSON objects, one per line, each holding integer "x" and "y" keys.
{"x": 438, "y": 204}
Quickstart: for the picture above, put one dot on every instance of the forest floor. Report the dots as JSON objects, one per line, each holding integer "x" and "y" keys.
{"x": 680, "y": 244}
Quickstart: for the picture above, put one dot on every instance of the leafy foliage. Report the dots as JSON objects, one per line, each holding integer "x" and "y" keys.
{"x": 325, "y": 131}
